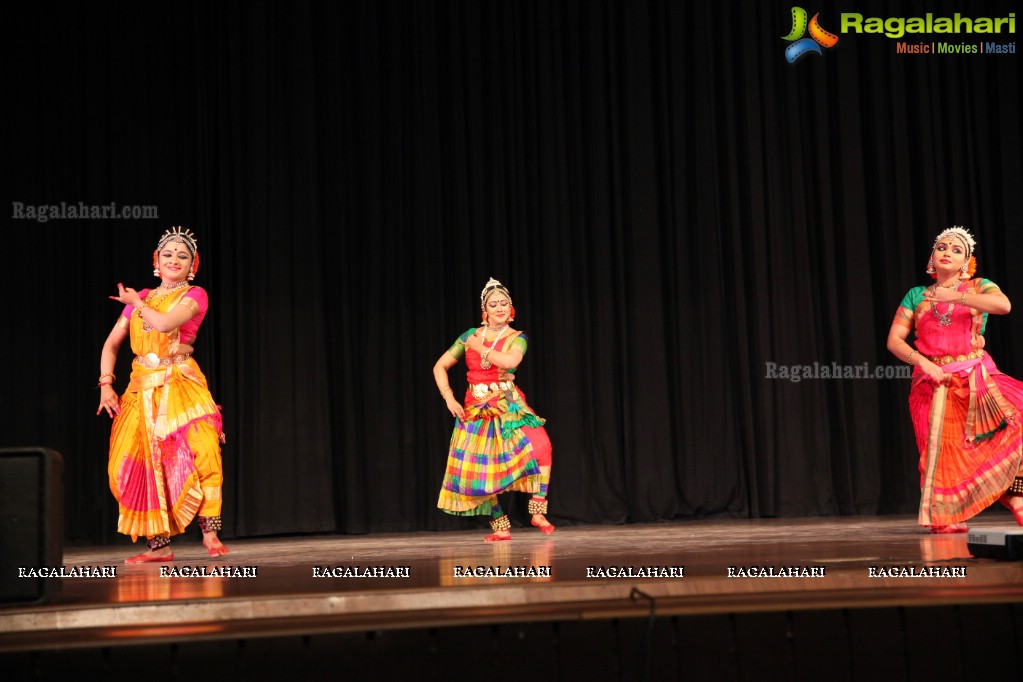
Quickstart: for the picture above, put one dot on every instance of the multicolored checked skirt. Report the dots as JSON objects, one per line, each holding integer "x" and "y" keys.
{"x": 970, "y": 437}
{"x": 165, "y": 464}
{"x": 489, "y": 454}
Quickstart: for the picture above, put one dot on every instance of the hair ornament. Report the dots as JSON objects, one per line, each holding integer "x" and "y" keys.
{"x": 179, "y": 234}
{"x": 491, "y": 286}
{"x": 960, "y": 233}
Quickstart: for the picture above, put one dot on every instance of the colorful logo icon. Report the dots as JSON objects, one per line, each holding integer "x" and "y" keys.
{"x": 801, "y": 46}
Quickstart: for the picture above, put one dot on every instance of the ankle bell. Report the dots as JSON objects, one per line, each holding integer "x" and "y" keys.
{"x": 211, "y": 524}
{"x": 1016, "y": 489}
{"x": 501, "y": 523}
{"x": 158, "y": 542}
{"x": 537, "y": 505}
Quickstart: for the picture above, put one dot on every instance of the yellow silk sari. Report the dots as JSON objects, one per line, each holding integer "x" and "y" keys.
{"x": 164, "y": 464}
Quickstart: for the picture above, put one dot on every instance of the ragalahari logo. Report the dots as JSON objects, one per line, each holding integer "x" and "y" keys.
{"x": 801, "y": 46}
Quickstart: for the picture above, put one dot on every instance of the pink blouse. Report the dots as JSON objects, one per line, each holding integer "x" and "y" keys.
{"x": 188, "y": 329}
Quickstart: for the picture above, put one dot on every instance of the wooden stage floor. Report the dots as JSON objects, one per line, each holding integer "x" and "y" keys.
{"x": 300, "y": 584}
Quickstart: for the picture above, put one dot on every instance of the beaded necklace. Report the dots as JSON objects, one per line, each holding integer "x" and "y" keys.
{"x": 146, "y": 327}
{"x": 484, "y": 362}
{"x": 944, "y": 319}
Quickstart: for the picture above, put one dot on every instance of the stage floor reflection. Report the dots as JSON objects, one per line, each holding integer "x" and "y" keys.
{"x": 340, "y": 583}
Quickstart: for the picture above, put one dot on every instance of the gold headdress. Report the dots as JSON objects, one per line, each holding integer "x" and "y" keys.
{"x": 491, "y": 286}
{"x": 184, "y": 236}
{"x": 179, "y": 234}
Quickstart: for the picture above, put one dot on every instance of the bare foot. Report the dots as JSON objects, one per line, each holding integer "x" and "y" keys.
{"x": 541, "y": 522}
{"x": 498, "y": 536}
{"x": 1015, "y": 505}
{"x": 213, "y": 544}
{"x": 150, "y": 556}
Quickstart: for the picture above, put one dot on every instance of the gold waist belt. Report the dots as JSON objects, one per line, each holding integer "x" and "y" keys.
{"x": 480, "y": 391}
{"x": 152, "y": 360}
{"x": 949, "y": 359}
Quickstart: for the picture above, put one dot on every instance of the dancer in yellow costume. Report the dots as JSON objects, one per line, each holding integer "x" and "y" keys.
{"x": 164, "y": 466}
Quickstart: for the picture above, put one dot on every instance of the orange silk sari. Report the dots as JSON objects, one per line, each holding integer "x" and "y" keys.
{"x": 165, "y": 464}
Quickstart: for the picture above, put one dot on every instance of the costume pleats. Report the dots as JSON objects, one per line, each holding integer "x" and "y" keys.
{"x": 970, "y": 439}
{"x": 489, "y": 454}
{"x": 165, "y": 465}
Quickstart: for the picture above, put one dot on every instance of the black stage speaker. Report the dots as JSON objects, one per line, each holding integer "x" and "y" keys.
{"x": 996, "y": 543}
{"x": 31, "y": 516}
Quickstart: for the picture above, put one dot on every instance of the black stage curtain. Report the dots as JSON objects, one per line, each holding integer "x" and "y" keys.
{"x": 671, "y": 203}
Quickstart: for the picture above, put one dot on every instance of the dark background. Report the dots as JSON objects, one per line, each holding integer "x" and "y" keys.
{"x": 671, "y": 203}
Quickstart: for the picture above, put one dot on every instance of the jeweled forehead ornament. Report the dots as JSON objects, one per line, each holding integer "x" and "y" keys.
{"x": 179, "y": 234}
{"x": 491, "y": 286}
{"x": 960, "y": 233}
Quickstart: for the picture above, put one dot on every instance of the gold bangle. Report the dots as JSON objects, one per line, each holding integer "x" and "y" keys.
{"x": 909, "y": 359}
{"x": 443, "y": 390}
{"x": 962, "y": 301}
{"x": 112, "y": 376}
